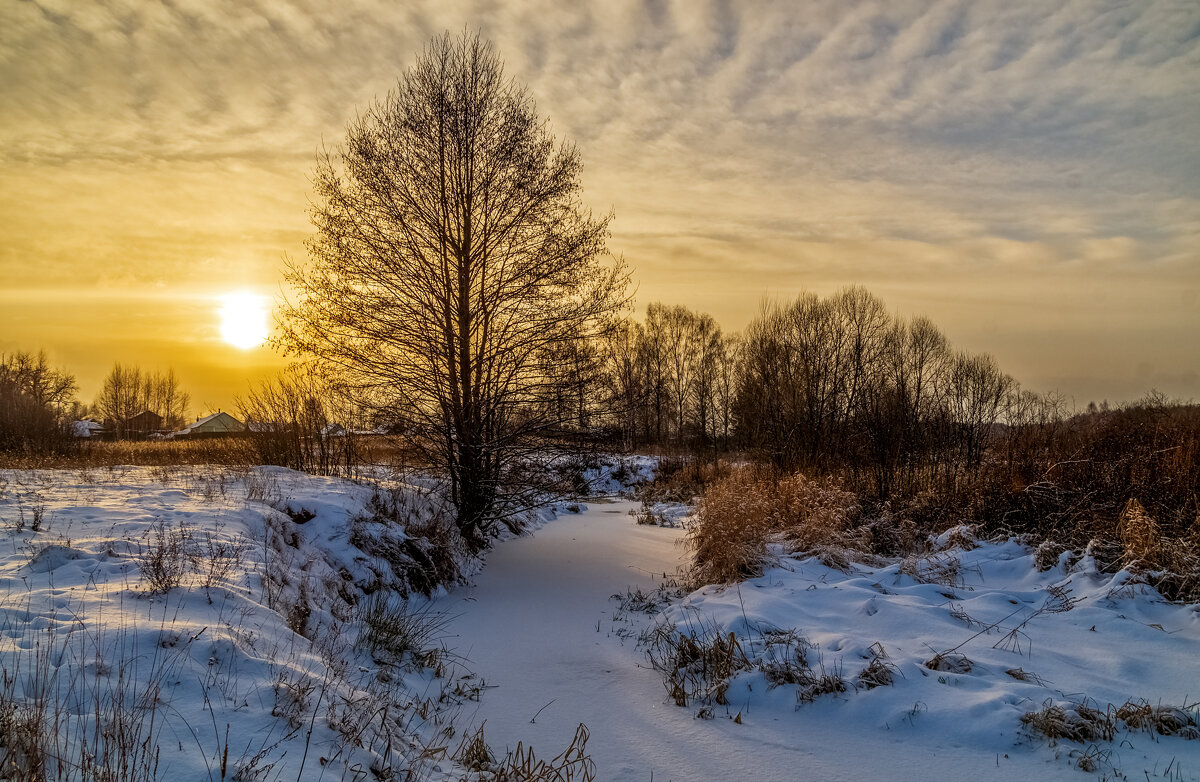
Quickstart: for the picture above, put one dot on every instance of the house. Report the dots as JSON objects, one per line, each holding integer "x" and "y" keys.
{"x": 216, "y": 425}
{"x": 144, "y": 423}
{"x": 87, "y": 429}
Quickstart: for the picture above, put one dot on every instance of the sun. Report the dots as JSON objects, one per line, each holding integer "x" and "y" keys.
{"x": 244, "y": 319}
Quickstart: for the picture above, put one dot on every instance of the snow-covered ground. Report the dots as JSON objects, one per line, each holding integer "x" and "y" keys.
{"x": 555, "y": 651}
{"x": 216, "y": 678}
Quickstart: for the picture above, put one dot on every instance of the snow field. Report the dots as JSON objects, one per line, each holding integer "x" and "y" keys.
{"x": 106, "y": 665}
{"x": 970, "y": 656}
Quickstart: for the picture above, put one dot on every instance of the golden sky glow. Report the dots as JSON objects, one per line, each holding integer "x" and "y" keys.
{"x": 1027, "y": 174}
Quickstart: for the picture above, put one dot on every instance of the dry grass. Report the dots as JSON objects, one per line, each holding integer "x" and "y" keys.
{"x": 784, "y": 658}
{"x": 742, "y": 512}
{"x": 696, "y": 663}
{"x": 473, "y": 753}
{"x": 879, "y": 672}
{"x": 948, "y": 662}
{"x": 241, "y": 452}
{"x": 820, "y": 682}
{"x": 1160, "y": 719}
{"x": 522, "y": 765}
{"x": 1170, "y": 564}
{"x": 165, "y": 561}
{"x": 1086, "y": 721}
{"x": 945, "y": 570}
{"x": 573, "y": 764}
{"x": 681, "y": 479}
{"x": 395, "y": 630}
{"x": 63, "y": 716}
{"x": 1073, "y": 722}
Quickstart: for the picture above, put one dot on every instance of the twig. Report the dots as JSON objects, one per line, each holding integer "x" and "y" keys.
{"x": 533, "y": 719}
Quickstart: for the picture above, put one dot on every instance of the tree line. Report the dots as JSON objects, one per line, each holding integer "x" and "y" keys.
{"x": 818, "y": 383}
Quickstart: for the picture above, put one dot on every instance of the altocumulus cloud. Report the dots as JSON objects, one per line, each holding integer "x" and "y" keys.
{"x": 928, "y": 149}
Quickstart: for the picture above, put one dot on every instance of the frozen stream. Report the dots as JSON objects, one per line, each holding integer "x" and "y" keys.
{"x": 529, "y": 627}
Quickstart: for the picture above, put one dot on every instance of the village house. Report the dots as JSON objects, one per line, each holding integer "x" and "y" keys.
{"x": 218, "y": 424}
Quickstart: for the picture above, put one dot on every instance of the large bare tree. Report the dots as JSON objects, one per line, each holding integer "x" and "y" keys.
{"x": 452, "y": 258}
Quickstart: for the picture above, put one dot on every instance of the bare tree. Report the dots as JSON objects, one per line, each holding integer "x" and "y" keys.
{"x": 626, "y": 380}
{"x": 128, "y": 391}
{"x": 977, "y": 391}
{"x": 298, "y": 419}
{"x": 35, "y": 401}
{"x": 451, "y": 257}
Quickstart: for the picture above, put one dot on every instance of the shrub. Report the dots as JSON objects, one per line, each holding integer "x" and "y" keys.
{"x": 742, "y": 512}
{"x": 162, "y": 566}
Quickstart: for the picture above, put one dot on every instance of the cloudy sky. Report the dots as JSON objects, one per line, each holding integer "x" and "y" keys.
{"x": 1025, "y": 173}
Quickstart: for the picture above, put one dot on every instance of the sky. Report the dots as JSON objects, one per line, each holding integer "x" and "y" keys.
{"x": 1027, "y": 174}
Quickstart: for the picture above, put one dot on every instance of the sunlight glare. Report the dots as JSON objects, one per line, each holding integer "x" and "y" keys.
{"x": 244, "y": 319}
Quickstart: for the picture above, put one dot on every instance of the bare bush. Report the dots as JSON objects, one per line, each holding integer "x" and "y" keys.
{"x": 165, "y": 559}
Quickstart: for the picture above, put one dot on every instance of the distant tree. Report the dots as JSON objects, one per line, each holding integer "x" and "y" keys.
{"x": 977, "y": 392}
{"x": 625, "y": 381}
{"x": 299, "y": 419}
{"x": 167, "y": 398}
{"x": 128, "y": 391}
{"x": 35, "y": 404}
{"x": 452, "y": 261}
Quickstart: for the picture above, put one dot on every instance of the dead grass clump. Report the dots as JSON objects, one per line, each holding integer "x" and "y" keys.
{"x": 573, "y": 764}
{"x": 638, "y": 601}
{"x": 785, "y": 658}
{"x": 163, "y": 565}
{"x": 1170, "y": 565}
{"x": 820, "y": 682}
{"x": 1022, "y": 675}
{"x": 742, "y": 512}
{"x": 696, "y": 663}
{"x": 681, "y": 479}
{"x": 1073, "y": 722}
{"x": 833, "y": 557}
{"x": 962, "y": 537}
{"x": 293, "y": 696}
{"x": 473, "y": 753}
{"x": 1163, "y": 720}
{"x": 943, "y": 570}
{"x": 880, "y": 671}
{"x": 1138, "y": 533}
{"x": 392, "y": 629}
{"x": 1047, "y": 554}
{"x": 948, "y": 662}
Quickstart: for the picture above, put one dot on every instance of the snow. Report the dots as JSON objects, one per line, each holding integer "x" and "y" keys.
{"x": 85, "y": 429}
{"x": 542, "y": 633}
{"x": 212, "y": 666}
{"x": 544, "y": 646}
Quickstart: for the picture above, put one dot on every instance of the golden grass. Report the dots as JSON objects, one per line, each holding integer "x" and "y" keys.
{"x": 742, "y": 512}
{"x": 227, "y": 451}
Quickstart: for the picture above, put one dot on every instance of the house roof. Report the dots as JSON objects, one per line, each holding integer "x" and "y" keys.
{"x": 217, "y": 422}
{"x": 85, "y": 428}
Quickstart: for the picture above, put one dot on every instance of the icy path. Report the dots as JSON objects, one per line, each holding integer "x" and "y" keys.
{"x": 537, "y": 627}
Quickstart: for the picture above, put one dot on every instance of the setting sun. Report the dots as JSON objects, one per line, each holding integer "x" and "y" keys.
{"x": 244, "y": 319}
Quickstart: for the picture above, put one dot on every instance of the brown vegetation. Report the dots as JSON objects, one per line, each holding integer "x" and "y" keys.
{"x": 742, "y": 512}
